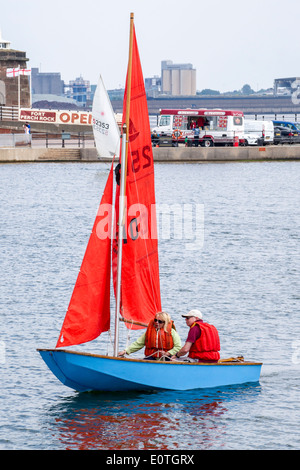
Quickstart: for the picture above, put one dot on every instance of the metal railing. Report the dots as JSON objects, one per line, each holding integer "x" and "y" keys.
{"x": 63, "y": 140}
{"x": 15, "y": 140}
{"x": 9, "y": 113}
{"x": 48, "y": 140}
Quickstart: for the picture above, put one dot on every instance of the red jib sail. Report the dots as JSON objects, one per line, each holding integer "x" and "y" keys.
{"x": 140, "y": 287}
{"x": 88, "y": 313}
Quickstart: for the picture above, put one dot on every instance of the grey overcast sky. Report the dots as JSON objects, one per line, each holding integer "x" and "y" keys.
{"x": 229, "y": 43}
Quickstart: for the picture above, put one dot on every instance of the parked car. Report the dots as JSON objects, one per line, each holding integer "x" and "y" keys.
{"x": 294, "y": 126}
{"x": 251, "y": 138}
{"x": 285, "y": 135}
{"x": 258, "y": 132}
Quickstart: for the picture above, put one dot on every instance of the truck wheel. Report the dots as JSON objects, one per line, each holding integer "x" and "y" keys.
{"x": 208, "y": 143}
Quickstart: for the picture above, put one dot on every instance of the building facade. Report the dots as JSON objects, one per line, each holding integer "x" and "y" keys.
{"x": 80, "y": 91}
{"x": 178, "y": 79}
{"x": 14, "y": 90}
{"x": 286, "y": 86}
{"x": 46, "y": 83}
{"x": 153, "y": 86}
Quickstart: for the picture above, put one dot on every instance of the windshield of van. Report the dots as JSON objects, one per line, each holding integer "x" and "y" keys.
{"x": 164, "y": 120}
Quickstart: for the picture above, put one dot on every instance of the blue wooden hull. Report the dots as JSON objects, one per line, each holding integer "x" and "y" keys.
{"x": 89, "y": 372}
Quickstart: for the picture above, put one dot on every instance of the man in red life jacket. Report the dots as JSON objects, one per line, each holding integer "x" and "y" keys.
{"x": 203, "y": 343}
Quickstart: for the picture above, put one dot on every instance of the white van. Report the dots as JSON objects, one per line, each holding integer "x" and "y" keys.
{"x": 258, "y": 132}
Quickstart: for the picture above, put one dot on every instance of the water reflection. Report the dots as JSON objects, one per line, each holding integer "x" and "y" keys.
{"x": 147, "y": 421}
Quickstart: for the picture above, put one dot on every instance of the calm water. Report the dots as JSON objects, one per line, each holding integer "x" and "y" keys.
{"x": 245, "y": 279}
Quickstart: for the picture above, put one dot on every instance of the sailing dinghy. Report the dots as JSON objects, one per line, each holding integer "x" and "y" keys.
{"x": 105, "y": 128}
{"x": 127, "y": 249}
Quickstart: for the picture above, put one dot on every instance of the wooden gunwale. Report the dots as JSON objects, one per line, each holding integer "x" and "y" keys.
{"x": 80, "y": 353}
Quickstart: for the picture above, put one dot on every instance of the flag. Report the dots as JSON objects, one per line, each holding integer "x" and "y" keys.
{"x": 25, "y": 71}
{"x": 11, "y": 73}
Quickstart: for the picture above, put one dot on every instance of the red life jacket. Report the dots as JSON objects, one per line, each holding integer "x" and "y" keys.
{"x": 207, "y": 347}
{"x": 158, "y": 342}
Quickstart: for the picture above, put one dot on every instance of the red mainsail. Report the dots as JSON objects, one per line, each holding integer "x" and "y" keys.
{"x": 140, "y": 286}
{"x": 88, "y": 313}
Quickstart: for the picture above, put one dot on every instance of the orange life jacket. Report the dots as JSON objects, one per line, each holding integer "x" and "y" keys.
{"x": 207, "y": 347}
{"x": 158, "y": 342}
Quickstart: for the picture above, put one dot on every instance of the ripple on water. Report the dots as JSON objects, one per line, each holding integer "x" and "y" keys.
{"x": 244, "y": 278}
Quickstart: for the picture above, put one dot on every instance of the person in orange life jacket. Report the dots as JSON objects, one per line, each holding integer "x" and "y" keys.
{"x": 160, "y": 339}
{"x": 203, "y": 343}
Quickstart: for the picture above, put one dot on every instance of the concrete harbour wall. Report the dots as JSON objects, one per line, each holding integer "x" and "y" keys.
{"x": 160, "y": 154}
{"x": 226, "y": 154}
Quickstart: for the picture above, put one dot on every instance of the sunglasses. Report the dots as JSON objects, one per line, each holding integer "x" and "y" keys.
{"x": 158, "y": 321}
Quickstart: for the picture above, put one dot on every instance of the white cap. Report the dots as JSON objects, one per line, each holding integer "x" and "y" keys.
{"x": 193, "y": 313}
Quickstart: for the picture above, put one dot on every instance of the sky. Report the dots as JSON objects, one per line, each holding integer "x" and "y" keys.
{"x": 230, "y": 43}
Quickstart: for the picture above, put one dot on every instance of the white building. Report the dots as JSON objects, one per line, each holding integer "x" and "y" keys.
{"x": 4, "y": 44}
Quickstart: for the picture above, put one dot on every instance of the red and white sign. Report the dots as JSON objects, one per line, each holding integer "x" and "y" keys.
{"x": 56, "y": 117}
{"x": 202, "y": 112}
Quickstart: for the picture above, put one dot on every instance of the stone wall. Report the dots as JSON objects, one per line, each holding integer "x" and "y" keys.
{"x": 162, "y": 154}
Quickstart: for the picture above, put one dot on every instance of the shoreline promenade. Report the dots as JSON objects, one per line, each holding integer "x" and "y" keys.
{"x": 179, "y": 154}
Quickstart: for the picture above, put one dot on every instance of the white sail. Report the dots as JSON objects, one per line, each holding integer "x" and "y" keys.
{"x": 105, "y": 127}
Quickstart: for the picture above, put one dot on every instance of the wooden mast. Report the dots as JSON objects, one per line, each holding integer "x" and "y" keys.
{"x": 129, "y": 75}
{"x": 124, "y": 158}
